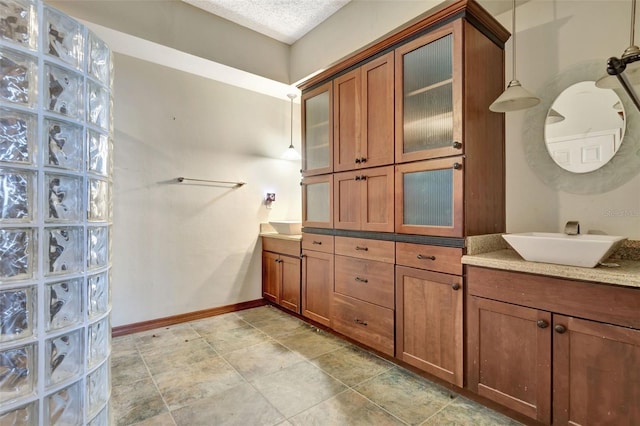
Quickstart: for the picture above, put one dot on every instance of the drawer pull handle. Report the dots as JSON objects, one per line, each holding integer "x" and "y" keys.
{"x": 358, "y": 321}
{"x": 455, "y": 286}
{"x": 542, "y": 324}
{"x": 317, "y": 242}
{"x": 421, "y": 257}
{"x": 362, "y": 248}
{"x": 362, "y": 280}
{"x": 560, "y": 328}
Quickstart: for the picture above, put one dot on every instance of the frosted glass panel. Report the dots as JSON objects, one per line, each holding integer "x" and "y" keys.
{"x": 428, "y": 96}
{"x": 318, "y": 202}
{"x": 428, "y": 198}
{"x": 317, "y": 131}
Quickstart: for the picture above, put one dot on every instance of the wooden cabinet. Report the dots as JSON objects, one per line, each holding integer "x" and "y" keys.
{"x": 281, "y": 272}
{"x": 317, "y": 201}
{"x": 317, "y": 131}
{"x": 364, "y": 116}
{"x": 558, "y": 351}
{"x": 317, "y": 278}
{"x": 364, "y": 199}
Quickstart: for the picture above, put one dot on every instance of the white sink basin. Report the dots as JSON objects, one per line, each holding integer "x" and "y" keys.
{"x": 288, "y": 227}
{"x": 584, "y": 250}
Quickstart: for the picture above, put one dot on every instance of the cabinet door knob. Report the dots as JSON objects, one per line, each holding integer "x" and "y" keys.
{"x": 357, "y": 178}
{"x": 362, "y": 248}
{"x": 457, "y": 166}
{"x": 560, "y": 328}
{"x": 421, "y": 257}
{"x": 457, "y": 145}
{"x": 362, "y": 280}
{"x": 358, "y": 161}
{"x": 363, "y": 160}
{"x": 455, "y": 286}
{"x": 542, "y": 324}
{"x": 363, "y": 177}
{"x": 359, "y": 321}
{"x": 276, "y": 260}
{"x": 303, "y": 256}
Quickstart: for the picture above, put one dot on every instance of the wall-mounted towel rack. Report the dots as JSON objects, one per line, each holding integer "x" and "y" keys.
{"x": 224, "y": 182}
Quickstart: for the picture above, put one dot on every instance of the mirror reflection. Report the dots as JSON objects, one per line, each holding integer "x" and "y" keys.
{"x": 584, "y": 127}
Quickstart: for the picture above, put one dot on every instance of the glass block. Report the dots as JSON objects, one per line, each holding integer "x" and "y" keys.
{"x": 64, "y": 407}
{"x": 98, "y": 152}
{"x": 64, "y": 250}
{"x": 17, "y": 313}
{"x": 64, "y": 91}
{"x": 64, "y": 299}
{"x": 63, "y": 37}
{"x": 64, "y": 198}
{"x": 99, "y": 342}
{"x": 18, "y": 377}
{"x": 99, "y": 103}
{"x": 63, "y": 359}
{"x": 18, "y": 81}
{"x": 98, "y": 294}
{"x": 65, "y": 141}
{"x": 99, "y": 65}
{"x": 428, "y": 198}
{"x": 16, "y": 254}
{"x": 98, "y": 385}
{"x": 27, "y": 415}
{"x": 98, "y": 240}
{"x": 98, "y": 200}
{"x": 16, "y": 195}
{"x": 18, "y": 132}
{"x": 19, "y": 23}
{"x": 101, "y": 419}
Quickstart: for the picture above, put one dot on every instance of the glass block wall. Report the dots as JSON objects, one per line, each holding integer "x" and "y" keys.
{"x": 55, "y": 218}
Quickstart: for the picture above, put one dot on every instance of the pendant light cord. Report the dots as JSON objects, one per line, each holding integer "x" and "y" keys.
{"x": 513, "y": 41}
{"x": 633, "y": 22}
{"x": 291, "y": 127}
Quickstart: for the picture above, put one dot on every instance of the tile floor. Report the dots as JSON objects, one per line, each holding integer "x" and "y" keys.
{"x": 264, "y": 367}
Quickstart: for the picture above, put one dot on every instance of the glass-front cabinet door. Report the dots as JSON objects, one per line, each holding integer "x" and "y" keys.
{"x": 317, "y": 131}
{"x": 317, "y": 201}
{"x": 429, "y": 197}
{"x": 429, "y": 96}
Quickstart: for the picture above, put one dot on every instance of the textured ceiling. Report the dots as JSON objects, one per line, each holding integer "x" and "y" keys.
{"x": 283, "y": 20}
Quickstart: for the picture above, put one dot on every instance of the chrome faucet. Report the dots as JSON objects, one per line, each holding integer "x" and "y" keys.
{"x": 572, "y": 227}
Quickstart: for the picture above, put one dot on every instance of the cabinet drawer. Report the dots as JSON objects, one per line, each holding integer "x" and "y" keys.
{"x": 433, "y": 258}
{"x": 365, "y": 280}
{"x": 278, "y": 245}
{"x": 381, "y": 251}
{"x": 364, "y": 322}
{"x": 317, "y": 242}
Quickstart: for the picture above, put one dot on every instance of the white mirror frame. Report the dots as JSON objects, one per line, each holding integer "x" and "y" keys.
{"x": 619, "y": 170}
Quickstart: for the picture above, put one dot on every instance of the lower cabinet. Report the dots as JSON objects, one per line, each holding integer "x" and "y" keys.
{"x": 317, "y": 277}
{"x": 281, "y": 272}
{"x": 542, "y": 360}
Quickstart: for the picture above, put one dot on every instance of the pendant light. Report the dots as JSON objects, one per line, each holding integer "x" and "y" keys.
{"x": 291, "y": 153}
{"x": 628, "y": 64}
{"x": 554, "y": 117}
{"x": 515, "y": 97}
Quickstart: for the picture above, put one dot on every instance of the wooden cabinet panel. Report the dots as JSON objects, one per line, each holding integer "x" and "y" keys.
{"x": 367, "y": 323}
{"x": 290, "y": 284}
{"x": 509, "y": 356}
{"x": 281, "y": 272}
{"x": 317, "y": 242}
{"x": 433, "y": 258}
{"x": 271, "y": 276}
{"x": 317, "y": 201}
{"x": 347, "y": 117}
{"x": 595, "y": 373}
{"x": 362, "y": 248}
{"x": 429, "y": 322}
{"x": 366, "y": 280}
{"x": 348, "y": 200}
{"x": 278, "y": 245}
{"x": 317, "y": 130}
{"x": 317, "y": 286}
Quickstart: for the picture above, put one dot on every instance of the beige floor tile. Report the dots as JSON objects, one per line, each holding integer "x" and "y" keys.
{"x": 228, "y": 340}
{"x": 164, "y": 337}
{"x": 212, "y": 325}
{"x": 297, "y": 388}
{"x": 241, "y": 405}
{"x": 260, "y": 314}
{"x": 135, "y": 402}
{"x": 261, "y": 359}
{"x": 161, "y": 420}
{"x": 352, "y": 365}
{"x": 311, "y": 342}
{"x": 463, "y": 412}
{"x": 124, "y": 344}
{"x": 281, "y": 326}
{"x": 405, "y": 395}
{"x": 179, "y": 357}
{"x": 347, "y": 408}
{"x": 127, "y": 367}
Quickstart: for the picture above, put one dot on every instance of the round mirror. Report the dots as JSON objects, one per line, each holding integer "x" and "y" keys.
{"x": 584, "y": 127}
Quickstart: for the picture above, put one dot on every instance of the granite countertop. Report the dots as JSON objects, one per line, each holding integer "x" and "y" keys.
{"x": 491, "y": 251}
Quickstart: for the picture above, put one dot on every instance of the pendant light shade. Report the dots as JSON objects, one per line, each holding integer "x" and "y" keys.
{"x": 554, "y": 117}
{"x": 291, "y": 153}
{"x": 515, "y": 97}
